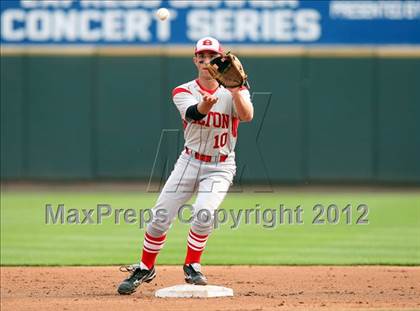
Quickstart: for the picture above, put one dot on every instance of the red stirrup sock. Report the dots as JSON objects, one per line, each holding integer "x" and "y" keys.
{"x": 196, "y": 245}
{"x": 151, "y": 247}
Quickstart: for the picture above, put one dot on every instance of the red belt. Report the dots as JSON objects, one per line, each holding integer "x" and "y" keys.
{"x": 206, "y": 158}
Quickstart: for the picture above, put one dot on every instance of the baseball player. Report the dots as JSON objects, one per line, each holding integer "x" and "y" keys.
{"x": 211, "y": 115}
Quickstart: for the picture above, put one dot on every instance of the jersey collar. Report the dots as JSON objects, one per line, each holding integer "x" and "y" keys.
{"x": 205, "y": 89}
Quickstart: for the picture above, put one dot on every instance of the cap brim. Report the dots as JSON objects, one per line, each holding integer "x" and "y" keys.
{"x": 208, "y": 50}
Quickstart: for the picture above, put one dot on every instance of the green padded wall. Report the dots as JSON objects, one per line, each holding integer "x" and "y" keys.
{"x": 318, "y": 119}
{"x": 338, "y": 117}
{"x": 277, "y": 151}
{"x": 128, "y": 115}
{"x": 58, "y": 97}
{"x": 398, "y": 132}
{"x": 12, "y": 117}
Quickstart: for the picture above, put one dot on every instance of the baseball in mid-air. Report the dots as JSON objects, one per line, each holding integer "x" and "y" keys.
{"x": 162, "y": 14}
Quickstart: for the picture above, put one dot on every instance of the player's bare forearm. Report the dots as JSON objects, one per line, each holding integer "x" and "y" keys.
{"x": 208, "y": 101}
{"x": 243, "y": 107}
{"x": 204, "y": 107}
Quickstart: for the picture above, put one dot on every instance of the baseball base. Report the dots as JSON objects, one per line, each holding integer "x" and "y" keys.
{"x": 194, "y": 291}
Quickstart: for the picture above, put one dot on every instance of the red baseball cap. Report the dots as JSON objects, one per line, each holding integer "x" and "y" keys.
{"x": 208, "y": 44}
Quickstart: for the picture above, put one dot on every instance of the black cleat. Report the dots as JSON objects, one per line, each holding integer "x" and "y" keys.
{"x": 138, "y": 276}
{"x": 193, "y": 274}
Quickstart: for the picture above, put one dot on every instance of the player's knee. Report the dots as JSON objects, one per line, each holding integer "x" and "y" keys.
{"x": 203, "y": 221}
{"x": 159, "y": 222}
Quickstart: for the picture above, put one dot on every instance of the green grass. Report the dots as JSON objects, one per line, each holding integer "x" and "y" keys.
{"x": 391, "y": 237}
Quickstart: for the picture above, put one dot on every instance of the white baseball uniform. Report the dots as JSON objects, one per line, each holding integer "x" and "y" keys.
{"x": 207, "y": 164}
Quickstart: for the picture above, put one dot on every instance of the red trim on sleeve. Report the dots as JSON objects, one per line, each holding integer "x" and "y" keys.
{"x": 179, "y": 90}
{"x": 243, "y": 88}
{"x": 235, "y": 125}
{"x": 205, "y": 89}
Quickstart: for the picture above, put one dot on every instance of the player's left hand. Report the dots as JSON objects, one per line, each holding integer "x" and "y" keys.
{"x": 228, "y": 71}
{"x": 233, "y": 90}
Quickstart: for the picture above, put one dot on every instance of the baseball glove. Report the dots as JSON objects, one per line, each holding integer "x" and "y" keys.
{"x": 228, "y": 71}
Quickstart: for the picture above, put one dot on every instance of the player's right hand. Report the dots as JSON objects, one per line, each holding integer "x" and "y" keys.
{"x": 208, "y": 99}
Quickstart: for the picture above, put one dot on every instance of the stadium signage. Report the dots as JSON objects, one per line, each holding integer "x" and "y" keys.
{"x": 259, "y": 22}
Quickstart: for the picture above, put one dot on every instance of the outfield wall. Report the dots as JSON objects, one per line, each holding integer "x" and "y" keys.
{"x": 99, "y": 115}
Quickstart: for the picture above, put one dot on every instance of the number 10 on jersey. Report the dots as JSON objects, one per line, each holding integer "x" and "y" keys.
{"x": 220, "y": 140}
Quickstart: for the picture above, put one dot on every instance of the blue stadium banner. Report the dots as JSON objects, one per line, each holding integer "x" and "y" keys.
{"x": 257, "y": 22}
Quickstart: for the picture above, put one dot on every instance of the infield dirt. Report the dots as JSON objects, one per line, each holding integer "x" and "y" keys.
{"x": 255, "y": 288}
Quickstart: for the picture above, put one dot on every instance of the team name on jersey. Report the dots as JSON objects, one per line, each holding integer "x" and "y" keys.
{"x": 214, "y": 119}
